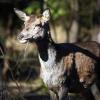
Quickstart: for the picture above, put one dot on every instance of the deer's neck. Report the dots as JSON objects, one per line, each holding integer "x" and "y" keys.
{"x": 43, "y": 47}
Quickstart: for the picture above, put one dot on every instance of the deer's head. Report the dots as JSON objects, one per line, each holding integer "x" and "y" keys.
{"x": 35, "y": 27}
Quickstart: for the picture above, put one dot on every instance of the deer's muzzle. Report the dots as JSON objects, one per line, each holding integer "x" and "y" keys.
{"x": 21, "y": 38}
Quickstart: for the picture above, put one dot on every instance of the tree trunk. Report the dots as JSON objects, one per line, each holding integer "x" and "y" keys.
{"x": 74, "y": 24}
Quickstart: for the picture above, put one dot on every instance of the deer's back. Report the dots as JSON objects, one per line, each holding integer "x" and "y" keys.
{"x": 92, "y": 47}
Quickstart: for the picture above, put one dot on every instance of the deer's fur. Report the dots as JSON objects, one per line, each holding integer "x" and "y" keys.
{"x": 65, "y": 67}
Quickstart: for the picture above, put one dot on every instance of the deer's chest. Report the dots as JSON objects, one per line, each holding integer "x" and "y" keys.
{"x": 51, "y": 71}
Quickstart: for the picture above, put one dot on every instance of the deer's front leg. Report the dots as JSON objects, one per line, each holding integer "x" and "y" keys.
{"x": 62, "y": 93}
{"x": 53, "y": 95}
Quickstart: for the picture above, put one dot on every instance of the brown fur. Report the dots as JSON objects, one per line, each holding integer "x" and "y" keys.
{"x": 85, "y": 65}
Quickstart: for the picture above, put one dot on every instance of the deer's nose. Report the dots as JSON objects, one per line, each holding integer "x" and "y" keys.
{"x": 20, "y": 36}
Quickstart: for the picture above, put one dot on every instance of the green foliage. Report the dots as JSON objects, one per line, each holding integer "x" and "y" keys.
{"x": 58, "y": 9}
{"x": 33, "y": 7}
{"x": 62, "y": 10}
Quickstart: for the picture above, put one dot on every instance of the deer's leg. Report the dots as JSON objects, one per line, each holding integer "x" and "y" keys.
{"x": 62, "y": 94}
{"x": 53, "y": 95}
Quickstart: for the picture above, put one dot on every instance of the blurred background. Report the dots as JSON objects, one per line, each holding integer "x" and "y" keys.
{"x": 71, "y": 21}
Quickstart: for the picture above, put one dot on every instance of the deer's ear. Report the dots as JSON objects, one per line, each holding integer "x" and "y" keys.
{"x": 21, "y": 15}
{"x": 46, "y": 15}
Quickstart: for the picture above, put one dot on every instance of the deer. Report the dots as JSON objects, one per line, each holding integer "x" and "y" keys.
{"x": 65, "y": 67}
